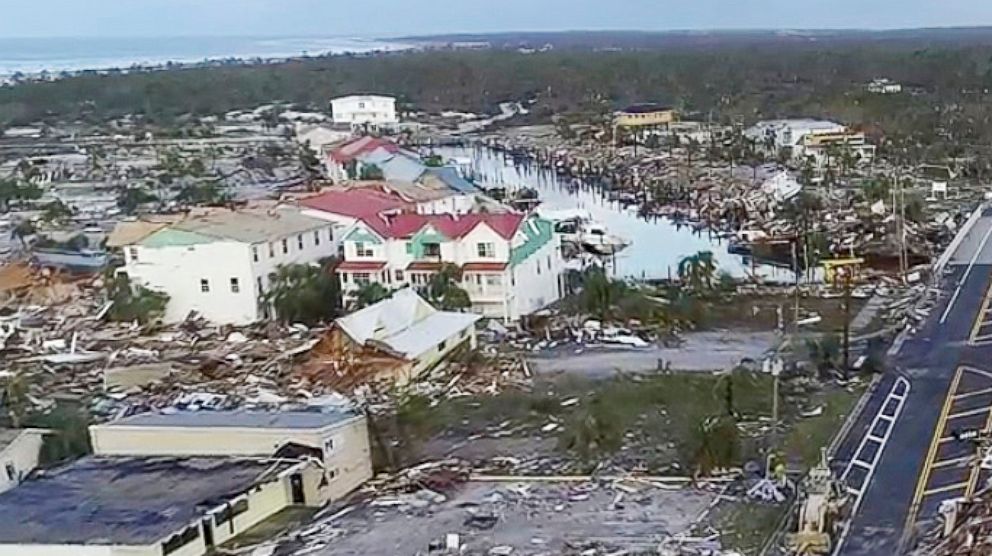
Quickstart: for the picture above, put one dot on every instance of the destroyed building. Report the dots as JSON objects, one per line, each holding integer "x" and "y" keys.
{"x": 394, "y": 340}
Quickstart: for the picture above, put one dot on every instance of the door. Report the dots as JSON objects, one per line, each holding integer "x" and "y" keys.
{"x": 296, "y": 488}
{"x": 208, "y": 531}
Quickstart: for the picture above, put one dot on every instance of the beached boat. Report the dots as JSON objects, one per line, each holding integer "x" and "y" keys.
{"x": 594, "y": 238}
{"x": 86, "y": 260}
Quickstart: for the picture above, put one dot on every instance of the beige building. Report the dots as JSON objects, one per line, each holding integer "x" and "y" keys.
{"x": 180, "y": 484}
{"x": 644, "y": 115}
{"x": 20, "y": 450}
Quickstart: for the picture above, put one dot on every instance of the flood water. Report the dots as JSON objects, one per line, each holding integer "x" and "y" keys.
{"x": 657, "y": 243}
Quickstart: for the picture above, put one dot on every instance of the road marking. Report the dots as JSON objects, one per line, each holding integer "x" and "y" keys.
{"x": 938, "y": 437}
{"x": 967, "y": 395}
{"x": 976, "y": 468}
{"x": 980, "y": 321}
{"x": 946, "y": 488}
{"x": 869, "y": 466}
{"x": 950, "y": 462}
{"x": 970, "y": 413}
{"x": 967, "y": 272}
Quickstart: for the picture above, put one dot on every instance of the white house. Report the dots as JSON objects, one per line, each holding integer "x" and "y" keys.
{"x": 803, "y": 138}
{"x": 220, "y": 264}
{"x": 20, "y": 451}
{"x": 510, "y": 264}
{"x": 361, "y": 111}
{"x": 884, "y": 86}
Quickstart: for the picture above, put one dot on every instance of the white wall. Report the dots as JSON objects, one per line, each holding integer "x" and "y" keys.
{"x": 178, "y": 271}
{"x": 22, "y": 455}
{"x": 535, "y": 285}
{"x": 360, "y": 110}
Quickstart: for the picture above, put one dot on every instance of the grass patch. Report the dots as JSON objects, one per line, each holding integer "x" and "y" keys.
{"x": 745, "y": 526}
{"x": 808, "y": 435}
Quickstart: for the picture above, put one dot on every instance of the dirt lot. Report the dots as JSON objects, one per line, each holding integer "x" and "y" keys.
{"x": 700, "y": 351}
{"x": 529, "y": 518}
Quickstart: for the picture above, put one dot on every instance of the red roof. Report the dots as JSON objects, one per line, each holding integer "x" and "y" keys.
{"x": 424, "y": 266}
{"x": 406, "y": 225}
{"x": 359, "y": 266}
{"x": 363, "y": 145}
{"x": 391, "y": 216}
{"x": 484, "y": 267}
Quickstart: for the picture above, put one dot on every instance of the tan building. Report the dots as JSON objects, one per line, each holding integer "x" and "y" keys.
{"x": 645, "y": 115}
{"x": 180, "y": 484}
{"x": 338, "y": 439}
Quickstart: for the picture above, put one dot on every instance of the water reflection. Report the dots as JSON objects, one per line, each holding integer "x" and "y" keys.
{"x": 658, "y": 244}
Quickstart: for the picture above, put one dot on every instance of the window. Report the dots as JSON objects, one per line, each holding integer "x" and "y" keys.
{"x": 432, "y": 249}
{"x": 285, "y": 247}
{"x": 486, "y": 250}
{"x": 538, "y": 265}
{"x": 361, "y": 250}
{"x": 478, "y": 279}
{"x": 399, "y": 275}
{"x": 442, "y": 345}
{"x": 328, "y": 446}
{"x": 254, "y": 253}
{"x": 361, "y": 105}
{"x": 180, "y": 540}
{"x": 316, "y": 237}
{"x": 204, "y": 285}
{"x": 330, "y": 235}
{"x": 235, "y": 286}
{"x": 409, "y": 248}
{"x": 362, "y": 278}
{"x": 133, "y": 252}
{"x": 11, "y": 472}
{"x": 231, "y": 511}
{"x": 258, "y": 282}
{"x": 344, "y": 277}
{"x": 494, "y": 280}
{"x": 299, "y": 241}
{"x": 549, "y": 263}
{"x": 272, "y": 250}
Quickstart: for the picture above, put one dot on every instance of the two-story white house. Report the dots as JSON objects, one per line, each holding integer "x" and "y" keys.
{"x": 511, "y": 264}
{"x": 219, "y": 264}
{"x": 365, "y": 111}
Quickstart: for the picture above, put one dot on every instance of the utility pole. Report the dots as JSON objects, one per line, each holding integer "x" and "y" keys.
{"x": 847, "y": 320}
{"x": 795, "y": 269}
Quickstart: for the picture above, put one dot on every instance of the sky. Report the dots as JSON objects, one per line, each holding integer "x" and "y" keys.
{"x": 390, "y": 18}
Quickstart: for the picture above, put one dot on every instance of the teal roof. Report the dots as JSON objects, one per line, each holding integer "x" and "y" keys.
{"x": 539, "y": 232}
{"x": 171, "y": 237}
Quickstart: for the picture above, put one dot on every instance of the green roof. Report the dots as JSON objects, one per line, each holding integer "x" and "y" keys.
{"x": 171, "y": 237}
{"x": 539, "y": 232}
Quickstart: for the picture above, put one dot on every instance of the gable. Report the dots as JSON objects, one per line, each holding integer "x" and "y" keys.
{"x": 362, "y": 234}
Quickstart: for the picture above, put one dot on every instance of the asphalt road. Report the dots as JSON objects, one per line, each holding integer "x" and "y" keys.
{"x": 948, "y": 363}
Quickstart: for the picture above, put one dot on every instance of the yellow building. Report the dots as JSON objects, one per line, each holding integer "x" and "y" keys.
{"x": 645, "y": 115}
{"x": 183, "y": 483}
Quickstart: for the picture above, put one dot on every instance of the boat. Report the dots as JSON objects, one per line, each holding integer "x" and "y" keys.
{"x": 86, "y": 260}
{"x": 594, "y": 238}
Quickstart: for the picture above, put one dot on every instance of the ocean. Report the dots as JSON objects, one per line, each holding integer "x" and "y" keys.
{"x": 32, "y": 56}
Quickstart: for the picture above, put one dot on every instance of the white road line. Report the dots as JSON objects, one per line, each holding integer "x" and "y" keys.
{"x": 967, "y": 272}
{"x": 859, "y": 492}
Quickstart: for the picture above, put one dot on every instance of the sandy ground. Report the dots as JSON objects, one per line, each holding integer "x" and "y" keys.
{"x": 531, "y": 518}
{"x": 701, "y": 351}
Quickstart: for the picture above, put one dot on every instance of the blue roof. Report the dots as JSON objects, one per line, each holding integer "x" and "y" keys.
{"x": 124, "y": 501}
{"x": 238, "y": 419}
{"x": 453, "y": 179}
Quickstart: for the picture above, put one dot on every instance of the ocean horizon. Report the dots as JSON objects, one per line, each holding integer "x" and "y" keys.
{"x": 37, "y": 55}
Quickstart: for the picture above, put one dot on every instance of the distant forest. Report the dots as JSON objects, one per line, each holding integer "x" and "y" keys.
{"x": 732, "y": 80}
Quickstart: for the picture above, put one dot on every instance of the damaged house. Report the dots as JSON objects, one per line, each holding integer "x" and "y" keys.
{"x": 394, "y": 340}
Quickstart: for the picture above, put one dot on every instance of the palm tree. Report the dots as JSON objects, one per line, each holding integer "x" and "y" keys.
{"x": 600, "y": 294}
{"x": 698, "y": 271}
{"x": 370, "y": 294}
{"x": 304, "y": 293}
{"x": 443, "y": 290}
